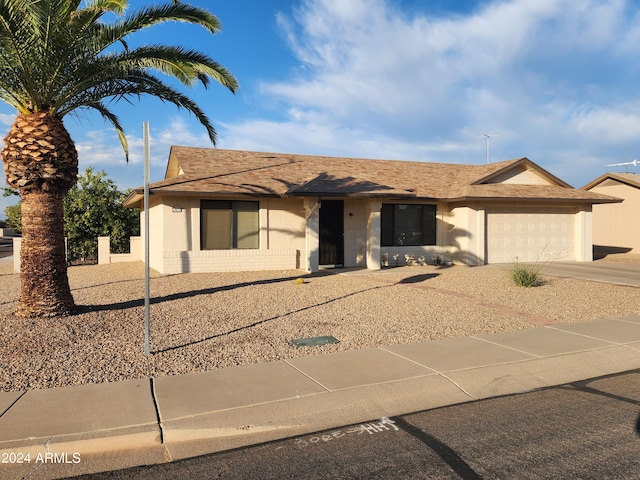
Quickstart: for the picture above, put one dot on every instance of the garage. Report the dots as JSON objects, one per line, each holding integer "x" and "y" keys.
{"x": 530, "y": 235}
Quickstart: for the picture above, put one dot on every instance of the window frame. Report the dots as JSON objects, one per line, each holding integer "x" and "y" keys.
{"x": 390, "y": 225}
{"x": 234, "y": 207}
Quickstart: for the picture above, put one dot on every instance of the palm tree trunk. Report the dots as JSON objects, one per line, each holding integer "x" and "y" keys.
{"x": 44, "y": 289}
{"x": 40, "y": 160}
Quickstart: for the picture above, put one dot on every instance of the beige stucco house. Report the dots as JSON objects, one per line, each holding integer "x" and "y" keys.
{"x": 224, "y": 210}
{"x": 616, "y": 227}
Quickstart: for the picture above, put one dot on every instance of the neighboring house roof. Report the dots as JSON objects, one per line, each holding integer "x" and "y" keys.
{"x": 631, "y": 179}
{"x": 216, "y": 172}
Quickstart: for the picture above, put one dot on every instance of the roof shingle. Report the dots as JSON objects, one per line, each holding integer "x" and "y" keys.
{"x": 217, "y": 172}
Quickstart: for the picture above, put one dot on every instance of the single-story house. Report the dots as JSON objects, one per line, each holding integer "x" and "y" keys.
{"x": 616, "y": 227}
{"x": 227, "y": 210}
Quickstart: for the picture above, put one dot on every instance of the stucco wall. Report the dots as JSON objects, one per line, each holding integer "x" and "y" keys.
{"x": 180, "y": 215}
{"x": 285, "y": 223}
{"x": 156, "y": 232}
{"x": 463, "y": 234}
{"x": 617, "y": 225}
{"x": 355, "y": 232}
{"x": 175, "y": 238}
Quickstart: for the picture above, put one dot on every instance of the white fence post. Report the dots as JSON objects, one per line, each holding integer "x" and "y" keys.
{"x": 17, "y": 244}
{"x": 104, "y": 250}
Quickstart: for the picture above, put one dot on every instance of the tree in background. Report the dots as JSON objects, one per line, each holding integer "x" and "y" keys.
{"x": 14, "y": 217}
{"x": 92, "y": 208}
{"x": 62, "y": 56}
{"x": 13, "y": 212}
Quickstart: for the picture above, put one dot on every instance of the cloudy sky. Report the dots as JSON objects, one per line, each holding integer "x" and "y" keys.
{"x": 557, "y": 81}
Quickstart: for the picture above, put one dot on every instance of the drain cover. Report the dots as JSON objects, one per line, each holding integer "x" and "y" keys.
{"x": 314, "y": 341}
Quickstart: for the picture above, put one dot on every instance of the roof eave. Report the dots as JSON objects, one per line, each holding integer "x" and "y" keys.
{"x": 609, "y": 176}
{"x": 350, "y": 194}
{"x": 134, "y": 200}
{"x": 590, "y": 201}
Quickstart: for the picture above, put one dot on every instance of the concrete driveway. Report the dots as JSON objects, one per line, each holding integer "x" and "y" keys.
{"x": 617, "y": 273}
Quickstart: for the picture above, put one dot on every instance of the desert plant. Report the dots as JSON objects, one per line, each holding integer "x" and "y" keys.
{"x": 526, "y": 275}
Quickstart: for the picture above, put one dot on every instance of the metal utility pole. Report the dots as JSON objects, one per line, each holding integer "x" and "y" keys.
{"x": 145, "y": 132}
{"x": 487, "y": 136}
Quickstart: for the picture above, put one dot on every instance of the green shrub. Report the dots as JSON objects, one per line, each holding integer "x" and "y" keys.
{"x": 526, "y": 275}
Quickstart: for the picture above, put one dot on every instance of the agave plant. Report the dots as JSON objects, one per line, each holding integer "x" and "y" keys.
{"x": 61, "y": 56}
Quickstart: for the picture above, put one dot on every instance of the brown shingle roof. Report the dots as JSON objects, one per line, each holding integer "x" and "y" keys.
{"x": 632, "y": 179}
{"x": 217, "y": 172}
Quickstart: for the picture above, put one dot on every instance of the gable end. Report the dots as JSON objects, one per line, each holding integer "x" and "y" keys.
{"x": 521, "y": 175}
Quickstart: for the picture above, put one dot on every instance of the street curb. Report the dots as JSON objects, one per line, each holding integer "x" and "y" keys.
{"x": 228, "y": 429}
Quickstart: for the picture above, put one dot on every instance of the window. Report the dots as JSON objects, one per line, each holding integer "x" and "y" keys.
{"x": 228, "y": 224}
{"x": 408, "y": 225}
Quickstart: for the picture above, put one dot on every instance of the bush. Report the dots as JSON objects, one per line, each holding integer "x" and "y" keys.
{"x": 526, "y": 275}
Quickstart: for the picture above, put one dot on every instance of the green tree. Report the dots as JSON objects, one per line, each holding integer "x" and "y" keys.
{"x": 13, "y": 212}
{"x": 14, "y": 217}
{"x": 93, "y": 208}
{"x": 62, "y": 56}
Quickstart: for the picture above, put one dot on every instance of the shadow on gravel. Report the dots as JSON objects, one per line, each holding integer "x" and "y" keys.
{"x": 266, "y": 320}
{"x": 177, "y": 296}
{"x": 194, "y": 293}
{"x": 418, "y": 278}
{"x": 209, "y": 291}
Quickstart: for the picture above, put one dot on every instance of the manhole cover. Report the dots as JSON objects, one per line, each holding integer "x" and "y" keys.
{"x": 314, "y": 341}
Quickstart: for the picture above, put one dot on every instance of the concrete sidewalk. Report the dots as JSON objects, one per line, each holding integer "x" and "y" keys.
{"x": 74, "y": 430}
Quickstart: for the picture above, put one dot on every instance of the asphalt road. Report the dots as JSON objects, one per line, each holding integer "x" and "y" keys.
{"x": 583, "y": 430}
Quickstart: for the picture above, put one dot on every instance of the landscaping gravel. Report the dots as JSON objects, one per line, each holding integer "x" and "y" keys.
{"x": 207, "y": 321}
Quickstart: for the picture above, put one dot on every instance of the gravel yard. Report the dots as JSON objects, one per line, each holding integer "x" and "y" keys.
{"x": 207, "y": 321}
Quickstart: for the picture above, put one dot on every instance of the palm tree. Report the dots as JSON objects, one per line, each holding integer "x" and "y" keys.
{"x": 58, "y": 57}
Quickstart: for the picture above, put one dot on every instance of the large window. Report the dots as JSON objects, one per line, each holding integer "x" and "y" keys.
{"x": 228, "y": 224}
{"x": 407, "y": 225}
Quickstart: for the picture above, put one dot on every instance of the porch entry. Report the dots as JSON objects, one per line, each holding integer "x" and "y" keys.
{"x": 331, "y": 233}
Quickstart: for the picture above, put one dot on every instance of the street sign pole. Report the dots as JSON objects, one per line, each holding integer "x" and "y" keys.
{"x": 145, "y": 128}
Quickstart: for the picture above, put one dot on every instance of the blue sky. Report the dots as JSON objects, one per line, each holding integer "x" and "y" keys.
{"x": 557, "y": 81}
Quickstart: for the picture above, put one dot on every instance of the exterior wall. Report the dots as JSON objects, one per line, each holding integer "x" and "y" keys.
{"x": 311, "y": 235}
{"x": 583, "y": 248}
{"x": 230, "y": 260}
{"x": 179, "y": 215}
{"x": 462, "y": 229}
{"x": 615, "y": 225}
{"x": 289, "y": 236}
{"x": 175, "y": 238}
{"x": 283, "y": 224}
{"x": 355, "y": 232}
{"x": 156, "y": 232}
{"x": 374, "y": 250}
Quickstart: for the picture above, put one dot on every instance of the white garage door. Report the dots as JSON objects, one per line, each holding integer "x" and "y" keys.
{"x": 530, "y": 236}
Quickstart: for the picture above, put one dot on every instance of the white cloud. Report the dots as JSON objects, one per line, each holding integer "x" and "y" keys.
{"x": 555, "y": 79}
{"x": 7, "y": 119}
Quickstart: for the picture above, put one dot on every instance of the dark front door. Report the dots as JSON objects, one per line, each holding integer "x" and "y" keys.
{"x": 331, "y": 232}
